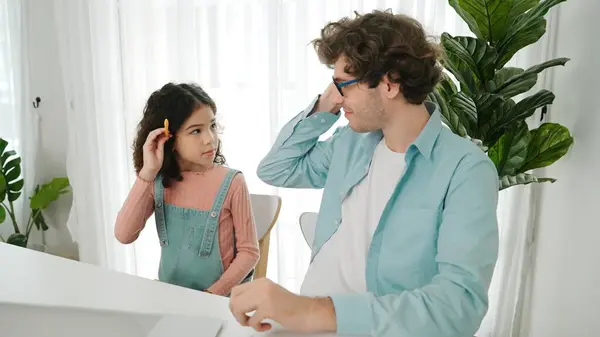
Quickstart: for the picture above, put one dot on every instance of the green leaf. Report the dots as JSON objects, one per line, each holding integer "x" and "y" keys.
{"x": 522, "y": 179}
{"x": 3, "y": 144}
{"x": 449, "y": 116}
{"x": 4, "y": 157}
{"x": 526, "y": 29}
{"x": 470, "y": 60}
{"x": 467, "y": 17}
{"x": 440, "y": 96}
{"x": 521, "y": 81}
{"x": 490, "y": 19}
{"x": 2, "y": 187}
{"x": 2, "y": 214}
{"x": 17, "y": 240}
{"x": 465, "y": 108}
{"x": 503, "y": 75}
{"x": 509, "y": 153}
{"x": 16, "y": 186}
{"x": 12, "y": 170}
{"x": 548, "y": 143}
{"x": 49, "y": 192}
{"x": 487, "y": 114}
{"x": 12, "y": 196}
{"x": 38, "y": 220}
{"x": 523, "y": 110}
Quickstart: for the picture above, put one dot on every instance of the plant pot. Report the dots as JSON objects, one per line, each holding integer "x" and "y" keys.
{"x": 37, "y": 247}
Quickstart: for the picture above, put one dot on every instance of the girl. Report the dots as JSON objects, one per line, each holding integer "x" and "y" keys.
{"x": 202, "y": 208}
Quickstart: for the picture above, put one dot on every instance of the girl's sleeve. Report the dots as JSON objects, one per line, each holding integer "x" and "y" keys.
{"x": 134, "y": 213}
{"x": 246, "y": 240}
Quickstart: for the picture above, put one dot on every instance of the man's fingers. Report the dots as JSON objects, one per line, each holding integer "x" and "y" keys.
{"x": 256, "y": 321}
{"x": 240, "y": 306}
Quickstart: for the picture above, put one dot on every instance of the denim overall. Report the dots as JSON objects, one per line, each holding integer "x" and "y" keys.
{"x": 189, "y": 240}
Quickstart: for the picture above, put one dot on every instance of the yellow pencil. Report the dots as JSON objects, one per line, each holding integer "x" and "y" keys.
{"x": 166, "y": 127}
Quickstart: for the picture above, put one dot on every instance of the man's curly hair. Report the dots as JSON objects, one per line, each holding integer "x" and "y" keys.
{"x": 380, "y": 43}
{"x": 175, "y": 102}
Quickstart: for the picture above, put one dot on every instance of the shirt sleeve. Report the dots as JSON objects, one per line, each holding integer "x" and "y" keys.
{"x": 245, "y": 239}
{"x": 298, "y": 159}
{"x": 134, "y": 213}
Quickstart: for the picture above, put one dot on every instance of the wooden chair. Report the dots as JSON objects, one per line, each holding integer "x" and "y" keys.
{"x": 266, "y": 211}
{"x": 308, "y": 224}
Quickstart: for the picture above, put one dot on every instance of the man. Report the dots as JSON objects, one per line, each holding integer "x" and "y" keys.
{"x": 406, "y": 239}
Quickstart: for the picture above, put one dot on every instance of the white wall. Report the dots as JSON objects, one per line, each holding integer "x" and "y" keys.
{"x": 46, "y": 82}
{"x": 565, "y": 299}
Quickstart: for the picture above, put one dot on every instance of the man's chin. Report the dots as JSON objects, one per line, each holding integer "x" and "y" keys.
{"x": 359, "y": 128}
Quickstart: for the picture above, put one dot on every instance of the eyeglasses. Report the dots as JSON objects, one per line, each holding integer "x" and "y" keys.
{"x": 340, "y": 85}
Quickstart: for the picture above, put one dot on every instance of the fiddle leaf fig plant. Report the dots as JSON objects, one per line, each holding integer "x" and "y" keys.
{"x": 480, "y": 104}
{"x": 11, "y": 188}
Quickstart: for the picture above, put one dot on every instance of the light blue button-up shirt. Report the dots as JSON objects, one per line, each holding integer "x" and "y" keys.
{"x": 433, "y": 252}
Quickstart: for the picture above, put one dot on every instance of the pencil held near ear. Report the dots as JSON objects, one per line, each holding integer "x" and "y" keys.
{"x": 269, "y": 301}
{"x": 153, "y": 153}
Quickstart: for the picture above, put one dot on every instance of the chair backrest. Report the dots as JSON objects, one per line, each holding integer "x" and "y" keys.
{"x": 308, "y": 224}
{"x": 266, "y": 211}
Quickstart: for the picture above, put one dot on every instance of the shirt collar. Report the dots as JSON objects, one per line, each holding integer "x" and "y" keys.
{"x": 425, "y": 142}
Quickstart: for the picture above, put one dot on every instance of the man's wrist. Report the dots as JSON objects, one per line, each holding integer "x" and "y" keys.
{"x": 321, "y": 316}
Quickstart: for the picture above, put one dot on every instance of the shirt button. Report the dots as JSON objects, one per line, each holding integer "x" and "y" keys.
{"x": 158, "y": 205}
{"x": 213, "y": 214}
{"x": 322, "y": 120}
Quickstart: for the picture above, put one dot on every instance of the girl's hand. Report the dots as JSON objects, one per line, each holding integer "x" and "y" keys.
{"x": 153, "y": 154}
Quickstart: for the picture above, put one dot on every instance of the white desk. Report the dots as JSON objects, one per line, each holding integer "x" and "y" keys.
{"x": 41, "y": 294}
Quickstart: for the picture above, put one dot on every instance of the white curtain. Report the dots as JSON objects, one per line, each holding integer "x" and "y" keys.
{"x": 253, "y": 57}
{"x": 19, "y": 121}
{"x": 97, "y": 158}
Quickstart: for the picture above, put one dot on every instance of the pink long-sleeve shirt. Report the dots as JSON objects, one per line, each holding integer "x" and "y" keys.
{"x": 198, "y": 191}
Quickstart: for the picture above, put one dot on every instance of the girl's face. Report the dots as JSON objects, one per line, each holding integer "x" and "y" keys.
{"x": 196, "y": 140}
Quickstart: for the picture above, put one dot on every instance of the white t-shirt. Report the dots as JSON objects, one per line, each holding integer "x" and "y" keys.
{"x": 339, "y": 267}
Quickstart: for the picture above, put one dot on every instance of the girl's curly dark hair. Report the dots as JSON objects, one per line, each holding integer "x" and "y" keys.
{"x": 383, "y": 43}
{"x": 174, "y": 102}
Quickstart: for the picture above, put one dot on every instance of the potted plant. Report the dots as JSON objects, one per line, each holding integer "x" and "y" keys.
{"x": 11, "y": 186}
{"x": 484, "y": 109}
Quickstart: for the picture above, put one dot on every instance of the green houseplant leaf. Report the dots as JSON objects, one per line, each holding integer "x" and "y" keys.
{"x": 11, "y": 186}
{"x": 470, "y": 60}
{"x": 485, "y": 109}
{"x": 17, "y": 239}
{"x": 518, "y": 112}
{"x": 510, "y": 82}
{"x": 10, "y": 170}
{"x": 49, "y": 192}
{"x": 2, "y": 214}
{"x": 548, "y": 143}
{"x": 510, "y": 152}
{"x": 38, "y": 220}
{"x": 2, "y": 187}
{"x": 441, "y": 96}
{"x": 490, "y": 19}
{"x": 526, "y": 29}
{"x": 522, "y": 179}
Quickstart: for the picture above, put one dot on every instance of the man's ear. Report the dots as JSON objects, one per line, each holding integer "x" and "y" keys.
{"x": 391, "y": 89}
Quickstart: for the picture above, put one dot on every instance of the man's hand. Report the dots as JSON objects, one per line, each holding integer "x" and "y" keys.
{"x": 330, "y": 100}
{"x": 271, "y": 301}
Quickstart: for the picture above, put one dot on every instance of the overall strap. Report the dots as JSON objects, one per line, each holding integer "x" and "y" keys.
{"x": 159, "y": 211}
{"x": 215, "y": 212}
